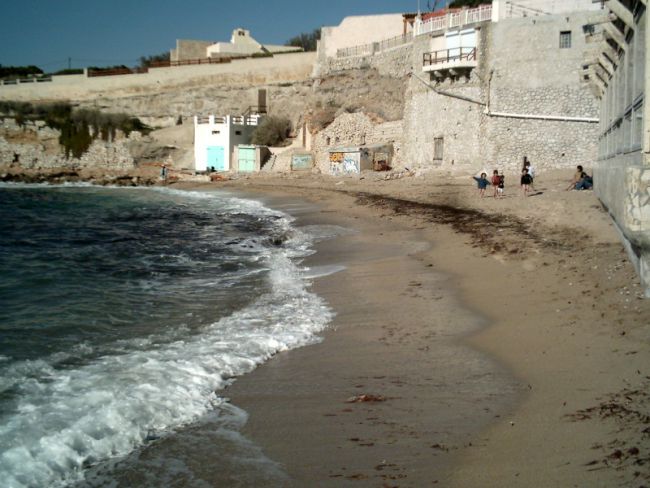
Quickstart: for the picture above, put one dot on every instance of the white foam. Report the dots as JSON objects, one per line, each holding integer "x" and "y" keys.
{"x": 65, "y": 419}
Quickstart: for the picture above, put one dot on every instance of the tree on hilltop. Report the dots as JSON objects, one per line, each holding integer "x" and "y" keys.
{"x": 19, "y": 71}
{"x": 307, "y": 41}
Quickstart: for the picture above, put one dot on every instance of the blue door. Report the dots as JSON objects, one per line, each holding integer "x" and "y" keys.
{"x": 216, "y": 159}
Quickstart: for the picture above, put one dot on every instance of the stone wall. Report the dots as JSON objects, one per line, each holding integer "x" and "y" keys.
{"x": 396, "y": 62}
{"x": 356, "y": 129}
{"x": 522, "y": 78}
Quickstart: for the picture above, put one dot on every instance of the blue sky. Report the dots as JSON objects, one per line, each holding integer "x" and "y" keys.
{"x": 106, "y": 32}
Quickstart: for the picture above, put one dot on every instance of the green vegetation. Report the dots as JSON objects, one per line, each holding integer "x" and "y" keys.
{"x": 146, "y": 61}
{"x": 78, "y": 127}
{"x": 272, "y": 131}
{"x": 468, "y": 3}
{"x": 69, "y": 71}
{"x": 306, "y": 41}
{"x": 12, "y": 72}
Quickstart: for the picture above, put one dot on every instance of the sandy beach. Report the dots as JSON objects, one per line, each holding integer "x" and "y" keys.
{"x": 477, "y": 342}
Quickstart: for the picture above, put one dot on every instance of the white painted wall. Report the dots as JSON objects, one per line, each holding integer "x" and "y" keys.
{"x": 284, "y": 68}
{"x": 361, "y": 29}
{"x": 227, "y": 132}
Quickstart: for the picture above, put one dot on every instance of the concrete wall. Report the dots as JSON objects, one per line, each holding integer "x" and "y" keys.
{"x": 282, "y": 68}
{"x": 622, "y": 172}
{"x": 357, "y": 30}
{"x": 189, "y": 49}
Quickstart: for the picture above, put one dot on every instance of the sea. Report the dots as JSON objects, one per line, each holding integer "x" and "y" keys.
{"x": 124, "y": 315}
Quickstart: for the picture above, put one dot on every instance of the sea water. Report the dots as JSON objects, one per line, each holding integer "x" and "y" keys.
{"x": 125, "y": 312}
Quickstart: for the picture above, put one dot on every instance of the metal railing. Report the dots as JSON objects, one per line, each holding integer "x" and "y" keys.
{"x": 374, "y": 47}
{"x": 444, "y": 56}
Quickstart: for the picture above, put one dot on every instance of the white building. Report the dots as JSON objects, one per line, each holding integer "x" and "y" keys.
{"x": 215, "y": 139}
{"x": 242, "y": 44}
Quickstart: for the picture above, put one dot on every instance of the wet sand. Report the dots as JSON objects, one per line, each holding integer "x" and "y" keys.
{"x": 507, "y": 340}
{"x": 391, "y": 394}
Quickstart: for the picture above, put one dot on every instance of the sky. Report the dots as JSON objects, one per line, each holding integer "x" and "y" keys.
{"x": 55, "y": 34}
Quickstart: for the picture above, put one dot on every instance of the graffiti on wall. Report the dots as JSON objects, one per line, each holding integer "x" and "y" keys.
{"x": 345, "y": 163}
{"x": 301, "y": 162}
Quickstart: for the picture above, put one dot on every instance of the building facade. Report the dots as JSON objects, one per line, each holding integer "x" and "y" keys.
{"x": 215, "y": 139}
{"x": 619, "y": 71}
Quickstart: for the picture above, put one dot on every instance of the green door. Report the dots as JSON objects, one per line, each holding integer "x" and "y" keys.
{"x": 216, "y": 159}
{"x": 246, "y": 159}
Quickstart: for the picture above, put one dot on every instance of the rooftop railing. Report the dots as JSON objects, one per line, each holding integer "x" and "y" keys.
{"x": 451, "y": 20}
{"x": 455, "y": 19}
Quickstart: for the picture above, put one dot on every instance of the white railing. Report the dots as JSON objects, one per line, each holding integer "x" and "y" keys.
{"x": 452, "y": 20}
{"x": 374, "y": 47}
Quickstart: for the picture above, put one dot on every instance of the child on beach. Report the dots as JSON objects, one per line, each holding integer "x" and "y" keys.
{"x": 501, "y": 185}
{"x": 481, "y": 183}
{"x": 526, "y": 181}
{"x": 531, "y": 172}
{"x": 495, "y": 182}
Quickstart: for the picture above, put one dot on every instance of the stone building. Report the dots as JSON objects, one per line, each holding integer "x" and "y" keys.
{"x": 619, "y": 70}
{"x": 490, "y": 85}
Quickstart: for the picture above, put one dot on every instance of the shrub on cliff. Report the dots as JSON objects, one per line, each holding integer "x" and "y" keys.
{"x": 78, "y": 127}
{"x": 321, "y": 118}
{"x": 272, "y": 131}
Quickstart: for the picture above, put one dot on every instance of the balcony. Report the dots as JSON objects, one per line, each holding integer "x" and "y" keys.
{"x": 449, "y": 61}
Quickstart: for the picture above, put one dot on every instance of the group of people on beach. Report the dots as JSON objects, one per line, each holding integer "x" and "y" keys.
{"x": 498, "y": 180}
{"x": 581, "y": 180}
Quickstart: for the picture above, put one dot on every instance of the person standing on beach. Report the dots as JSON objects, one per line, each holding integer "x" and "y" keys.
{"x": 495, "y": 182}
{"x": 526, "y": 181}
{"x": 481, "y": 183}
{"x": 501, "y": 185}
{"x": 531, "y": 171}
{"x": 163, "y": 174}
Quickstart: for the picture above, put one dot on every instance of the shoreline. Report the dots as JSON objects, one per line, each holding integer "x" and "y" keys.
{"x": 394, "y": 343}
{"x": 564, "y": 318}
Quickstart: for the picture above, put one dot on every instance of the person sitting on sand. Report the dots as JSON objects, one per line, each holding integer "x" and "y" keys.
{"x": 586, "y": 182}
{"x": 581, "y": 180}
{"x": 495, "y": 182}
{"x": 526, "y": 181}
{"x": 481, "y": 183}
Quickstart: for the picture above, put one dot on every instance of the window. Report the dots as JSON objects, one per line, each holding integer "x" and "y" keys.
{"x": 215, "y": 132}
{"x": 438, "y": 145}
{"x": 238, "y": 133}
{"x": 565, "y": 39}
